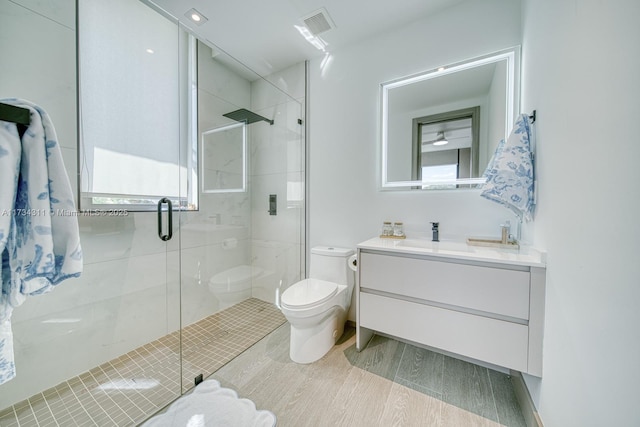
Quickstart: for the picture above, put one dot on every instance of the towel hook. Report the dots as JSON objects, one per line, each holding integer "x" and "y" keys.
{"x": 532, "y": 117}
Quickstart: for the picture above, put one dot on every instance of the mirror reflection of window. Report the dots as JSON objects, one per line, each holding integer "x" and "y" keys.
{"x": 433, "y": 174}
{"x": 448, "y": 141}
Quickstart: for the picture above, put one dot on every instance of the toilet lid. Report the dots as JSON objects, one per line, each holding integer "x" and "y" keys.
{"x": 308, "y": 293}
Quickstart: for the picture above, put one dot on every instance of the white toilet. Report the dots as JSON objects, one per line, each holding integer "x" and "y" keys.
{"x": 317, "y": 307}
{"x": 233, "y": 285}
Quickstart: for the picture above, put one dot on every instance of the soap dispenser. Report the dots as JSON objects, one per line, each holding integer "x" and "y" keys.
{"x": 506, "y": 231}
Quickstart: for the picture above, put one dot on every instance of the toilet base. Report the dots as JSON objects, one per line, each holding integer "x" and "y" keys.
{"x": 312, "y": 341}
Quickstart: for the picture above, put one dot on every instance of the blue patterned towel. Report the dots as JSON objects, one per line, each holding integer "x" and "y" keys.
{"x": 509, "y": 174}
{"x": 39, "y": 238}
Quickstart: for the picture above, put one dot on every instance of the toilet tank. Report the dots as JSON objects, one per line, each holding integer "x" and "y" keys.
{"x": 331, "y": 264}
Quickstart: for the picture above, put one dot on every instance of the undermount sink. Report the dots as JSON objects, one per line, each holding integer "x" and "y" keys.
{"x": 435, "y": 246}
{"x": 492, "y": 243}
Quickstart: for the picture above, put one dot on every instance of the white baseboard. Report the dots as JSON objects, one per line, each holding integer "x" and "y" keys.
{"x": 531, "y": 416}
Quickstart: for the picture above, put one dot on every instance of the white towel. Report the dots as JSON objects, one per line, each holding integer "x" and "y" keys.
{"x": 39, "y": 238}
{"x": 509, "y": 175}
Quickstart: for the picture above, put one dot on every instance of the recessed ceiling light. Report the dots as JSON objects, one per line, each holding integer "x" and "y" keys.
{"x": 149, "y": 50}
{"x": 196, "y": 17}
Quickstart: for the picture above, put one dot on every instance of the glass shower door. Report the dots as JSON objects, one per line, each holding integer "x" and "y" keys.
{"x": 247, "y": 238}
{"x": 104, "y": 348}
{"x": 131, "y": 126}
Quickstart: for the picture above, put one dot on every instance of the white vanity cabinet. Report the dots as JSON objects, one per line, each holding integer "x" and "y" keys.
{"x": 472, "y": 305}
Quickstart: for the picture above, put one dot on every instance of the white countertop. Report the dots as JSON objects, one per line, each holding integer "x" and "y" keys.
{"x": 525, "y": 256}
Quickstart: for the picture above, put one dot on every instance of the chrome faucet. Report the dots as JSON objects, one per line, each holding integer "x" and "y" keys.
{"x": 436, "y": 231}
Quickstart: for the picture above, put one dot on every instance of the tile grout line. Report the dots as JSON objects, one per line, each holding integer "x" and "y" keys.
{"x": 81, "y": 405}
{"x": 46, "y": 401}
{"x": 138, "y": 371}
{"x": 91, "y": 394}
{"x": 63, "y": 402}
{"x": 15, "y": 414}
{"x": 33, "y": 412}
{"x": 108, "y": 378}
{"x": 110, "y": 398}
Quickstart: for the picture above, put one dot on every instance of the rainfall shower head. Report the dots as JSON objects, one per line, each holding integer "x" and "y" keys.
{"x": 246, "y": 116}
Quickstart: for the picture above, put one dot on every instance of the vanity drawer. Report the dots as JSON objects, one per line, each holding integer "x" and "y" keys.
{"x": 495, "y": 341}
{"x": 499, "y": 291}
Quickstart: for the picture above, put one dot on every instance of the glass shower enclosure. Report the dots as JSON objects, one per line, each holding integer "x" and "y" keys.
{"x": 191, "y": 193}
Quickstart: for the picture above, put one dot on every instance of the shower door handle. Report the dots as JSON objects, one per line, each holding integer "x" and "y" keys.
{"x": 161, "y": 235}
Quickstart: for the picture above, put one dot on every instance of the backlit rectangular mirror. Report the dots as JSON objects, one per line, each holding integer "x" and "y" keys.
{"x": 224, "y": 159}
{"x": 439, "y": 128}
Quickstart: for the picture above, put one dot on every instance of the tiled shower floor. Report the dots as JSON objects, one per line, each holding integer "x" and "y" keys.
{"x": 127, "y": 390}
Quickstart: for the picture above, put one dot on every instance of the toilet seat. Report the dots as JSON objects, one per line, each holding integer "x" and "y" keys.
{"x": 308, "y": 293}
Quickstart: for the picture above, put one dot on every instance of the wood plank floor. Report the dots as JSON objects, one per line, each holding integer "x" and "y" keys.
{"x": 388, "y": 384}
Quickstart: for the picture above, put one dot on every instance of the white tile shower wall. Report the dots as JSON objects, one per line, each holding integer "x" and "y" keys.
{"x": 220, "y": 81}
{"x": 198, "y": 266}
{"x": 220, "y": 91}
{"x": 277, "y": 167}
{"x": 217, "y": 237}
{"x": 46, "y": 31}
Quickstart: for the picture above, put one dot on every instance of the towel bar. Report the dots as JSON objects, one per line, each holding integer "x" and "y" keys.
{"x": 13, "y": 114}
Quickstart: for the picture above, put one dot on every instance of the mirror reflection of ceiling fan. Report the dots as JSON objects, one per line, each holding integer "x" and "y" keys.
{"x": 442, "y": 139}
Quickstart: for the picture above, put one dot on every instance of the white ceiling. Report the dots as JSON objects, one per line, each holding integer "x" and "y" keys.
{"x": 261, "y": 33}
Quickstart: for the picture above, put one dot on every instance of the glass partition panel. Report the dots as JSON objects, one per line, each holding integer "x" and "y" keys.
{"x": 104, "y": 348}
{"x": 234, "y": 254}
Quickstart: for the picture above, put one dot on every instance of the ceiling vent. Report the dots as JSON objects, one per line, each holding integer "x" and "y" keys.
{"x": 318, "y": 22}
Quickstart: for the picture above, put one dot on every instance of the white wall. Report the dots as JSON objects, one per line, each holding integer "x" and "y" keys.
{"x": 346, "y": 206}
{"x": 580, "y": 72}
